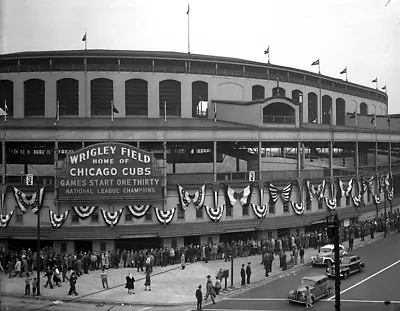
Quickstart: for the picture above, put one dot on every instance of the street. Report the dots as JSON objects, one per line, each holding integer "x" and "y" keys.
{"x": 367, "y": 290}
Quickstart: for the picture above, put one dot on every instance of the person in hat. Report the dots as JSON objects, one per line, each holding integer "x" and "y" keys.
{"x": 243, "y": 275}
{"x": 248, "y": 272}
{"x": 199, "y": 297}
{"x": 210, "y": 289}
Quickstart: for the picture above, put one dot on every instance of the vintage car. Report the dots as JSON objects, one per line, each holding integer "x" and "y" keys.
{"x": 326, "y": 255}
{"x": 348, "y": 266}
{"x": 319, "y": 288}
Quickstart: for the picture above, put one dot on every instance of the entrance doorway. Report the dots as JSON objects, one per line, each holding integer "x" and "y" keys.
{"x": 191, "y": 240}
{"x": 138, "y": 243}
{"x": 83, "y": 246}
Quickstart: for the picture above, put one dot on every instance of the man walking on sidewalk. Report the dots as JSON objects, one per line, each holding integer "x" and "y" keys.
{"x": 210, "y": 289}
{"x": 248, "y": 272}
{"x": 243, "y": 276}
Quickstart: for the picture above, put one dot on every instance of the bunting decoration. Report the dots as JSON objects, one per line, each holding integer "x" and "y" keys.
{"x": 298, "y": 208}
{"x": 390, "y": 195}
{"x": 321, "y": 190}
{"x": 111, "y": 218}
{"x": 260, "y": 211}
{"x": 185, "y": 197}
{"x": 84, "y": 211}
{"x": 345, "y": 191}
{"x": 356, "y": 200}
{"x": 5, "y": 218}
{"x": 57, "y": 221}
{"x": 215, "y": 213}
{"x": 165, "y": 217}
{"x": 231, "y": 196}
{"x": 33, "y": 201}
{"x": 138, "y": 211}
{"x": 311, "y": 190}
{"x": 377, "y": 199}
{"x": 331, "y": 204}
{"x": 317, "y": 191}
{"x": 285, "y": 193}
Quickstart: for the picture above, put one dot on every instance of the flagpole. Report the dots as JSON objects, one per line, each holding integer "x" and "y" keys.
{"x": 188, "y": 14}
{"x": 6, "y": 110}
{"x": 85, "y": 41}
{"x": 346, "y": 73}
{"x": 268, "y": 55}
{"x": 165, "y": 111}
{"x": 58, "y": 111}
{"x": 112, "y": 112}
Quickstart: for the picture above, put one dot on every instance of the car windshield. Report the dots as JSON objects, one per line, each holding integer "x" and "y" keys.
{"x": 346, "y": 260}
{"x": 326, "y": 250}
{"x": 307, "y": 282}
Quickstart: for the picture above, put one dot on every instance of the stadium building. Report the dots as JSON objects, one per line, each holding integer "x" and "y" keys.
{"x": 110, "y": 149}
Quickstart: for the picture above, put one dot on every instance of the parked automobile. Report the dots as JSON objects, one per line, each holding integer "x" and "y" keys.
{"x": 348, "y": 266}
{"x": 326, "y": 255}
{"x": 319, "y": 288}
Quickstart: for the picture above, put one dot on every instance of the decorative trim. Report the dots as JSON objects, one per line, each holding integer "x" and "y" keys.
{"x": 356, "y": 200}
{"x": 165, "y": 217}
{"x": 5, "y": 218}
{"x": 111, "y": 218}
{"x": 260, "y": 211}
{"x": 185, "y": 197}
{"x": 138, "y": 211}
{"x": 298, "y": 208}
{"x": 84, "y": 211}
{"x": 331, "y": 204}
{"x": 244, "y": 196}
{"x": 215, "y": 213}
{"x": 33, "y": 201}
{"x": 285, "y": 193}
{"x": 58, "y": 220}
{"x": 377, "y": 199}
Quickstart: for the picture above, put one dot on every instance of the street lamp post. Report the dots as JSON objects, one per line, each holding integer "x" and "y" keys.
{"x": 38, "y": 253}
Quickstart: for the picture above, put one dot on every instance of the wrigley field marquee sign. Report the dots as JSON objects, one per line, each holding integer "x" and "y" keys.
{"x": 108, "y": 172}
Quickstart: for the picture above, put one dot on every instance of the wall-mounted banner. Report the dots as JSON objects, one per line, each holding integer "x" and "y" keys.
{"x": 109, "y": 172}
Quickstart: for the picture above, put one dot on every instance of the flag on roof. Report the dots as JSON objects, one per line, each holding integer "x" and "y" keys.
{"x": 343, "y": 71}
{"x": 188, "y": 10}
{"x": 384, "y": 87}
{"x": 315, "y": 62}
{"x": 266, "y": 51}
{"x": 84, "y": 37}
{"x": 375, "y": 80}
{"x": 353, "y": 115}
{"x": 373, "y": 119}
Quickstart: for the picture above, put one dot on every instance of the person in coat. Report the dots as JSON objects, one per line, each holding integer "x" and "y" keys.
{"x": 210, "y": 289}
{"x": 72, "y": 284}
{"x": 183, "y": 261}
{"x": 199, "y": 297}
{"x": 248, "y": 272}
{"x": 243, "y": 276}
{"x": 130, "y": 283}
{"x": 266, "y": 264}
{"x": 147, "y": 282}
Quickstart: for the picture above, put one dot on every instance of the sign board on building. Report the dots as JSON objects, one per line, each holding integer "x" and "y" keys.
{"x": 29, "y": 179}
{"x": 109, "y": 172}
{"x": 252, "y": 175}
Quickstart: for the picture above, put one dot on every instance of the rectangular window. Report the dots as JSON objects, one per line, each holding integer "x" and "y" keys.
{"x": 272, "y": 208}
{"x": 229, "y": 211}
{"x": 94, "y": 217}
{"x": 320, "y": 205}
{"x": 339, "y": 202}
{"x": 286, "y": 207}
{"x": 199, "y": 213}
{"x": 348, "y": 201}
{"x": 63, "y": 247}
{"x": 174, "y": 243}
{"x": 128, "y": 217}
{"x": 148, "y": 215}
{"x": 102, "y": 246}
{"x": 74, "y": 217}
{"x": 19, "y": 216}
{"x": 308, "y": 205}
{"x": 369, "y": 196}
{"x": 181, "y": 212}
{"x": 245, "y": 210}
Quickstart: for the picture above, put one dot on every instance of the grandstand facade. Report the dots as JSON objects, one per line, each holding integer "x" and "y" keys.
{"x": 124, "y": 149}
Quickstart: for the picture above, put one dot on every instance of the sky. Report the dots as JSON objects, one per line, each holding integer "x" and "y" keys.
{"x": 362, "y": 35}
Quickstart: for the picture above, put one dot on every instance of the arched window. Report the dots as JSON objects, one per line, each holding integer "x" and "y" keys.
{"x": 326, "y": 109}
{"x": 7, "y": 97}
{"x": 257, "y": 92}
{"x": 297, "y": 96}
{"x": 34, "y": 98}
{"x": 312, "y": 107}
{"x": 363, "y": 109}
{"x": 199, "y": 99}
{"x": 278, "y": 91}
{"x": 136, "y": 97}
{"x": 102, "y": 95}
{"x": 170, "y": 96}
{"x": 279, "y": 113}
{"x": 340, "y": 111}
{"x": 68, "y": 97}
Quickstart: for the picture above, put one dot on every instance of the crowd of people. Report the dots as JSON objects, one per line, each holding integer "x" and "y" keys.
{"x": 62, "y": 267}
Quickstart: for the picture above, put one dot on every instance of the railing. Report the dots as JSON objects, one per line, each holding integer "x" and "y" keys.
{"x": 201, "y": 178}
{"x": 368, "y": 94}
{"x": 279, "y": 119}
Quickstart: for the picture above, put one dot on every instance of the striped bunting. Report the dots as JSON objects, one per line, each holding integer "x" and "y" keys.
{"x": 311, "y": 189}
{"x": 198, "y": 197}
{"x": 377, "y": 199}
{"x": 33, "y": 201}
{"x": 285, "y": 193}
{"x": 138, "y": 211}
{"x": 390, "y": 195}
{"x": 111, "y": 218}
{"x": 215, "y": 213}
{"x": 298, "y": 208}
{"x": 84, "y": 211}
{"x": 165, "y": 217}
{"x": 244, "y": 196}
{"x": 5, "y": 218}
{"x": 260, "y": 211}
{"x": 57, "y": 221}
{"x": 331, "y": 204}
{"x": 356, "y": 200}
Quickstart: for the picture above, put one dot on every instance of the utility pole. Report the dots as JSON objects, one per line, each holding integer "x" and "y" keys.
{"x": 333, "y": 234}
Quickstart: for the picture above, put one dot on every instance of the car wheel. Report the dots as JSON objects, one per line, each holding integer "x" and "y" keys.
{"x": 328, "y": 263}
{"x": 346, "y": 275}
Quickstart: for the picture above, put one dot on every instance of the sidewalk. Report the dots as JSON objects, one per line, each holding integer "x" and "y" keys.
{"x": 169, "y": 285}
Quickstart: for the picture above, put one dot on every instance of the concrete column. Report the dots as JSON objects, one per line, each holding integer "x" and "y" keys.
{"x": 215, "y": 160}
{"x": 259, "y": 160}
{"x": 119, "y": 96}
{"x": 331, "y": 158}
{"x": 50, "y": 98}
{"x": 18, "y": 95}
{"x": 154, "y": 99}
{"x": 186, "y": 99}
